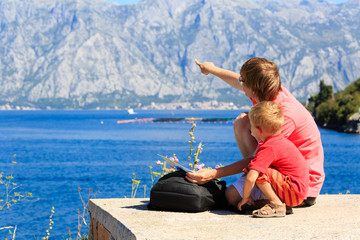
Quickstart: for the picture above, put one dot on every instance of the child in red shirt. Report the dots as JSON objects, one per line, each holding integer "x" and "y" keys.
{"x": 278, "y": 169}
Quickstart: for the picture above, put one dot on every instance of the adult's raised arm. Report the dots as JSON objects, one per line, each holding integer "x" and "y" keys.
{"x": 231, "y": 78}
{"x": 204, "y": 175}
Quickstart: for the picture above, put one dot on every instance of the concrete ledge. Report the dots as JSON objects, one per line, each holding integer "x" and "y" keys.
{"x": 333, "y": 217}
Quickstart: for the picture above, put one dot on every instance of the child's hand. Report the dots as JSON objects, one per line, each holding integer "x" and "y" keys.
{"x": 245, "y": 201}
{"x": 205, "y": 66}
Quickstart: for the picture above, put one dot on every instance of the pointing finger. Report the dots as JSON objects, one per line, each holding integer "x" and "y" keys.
{"x": 197, "y": 62}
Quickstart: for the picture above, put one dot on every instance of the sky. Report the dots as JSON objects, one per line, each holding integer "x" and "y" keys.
{"x": 136, "y": 1}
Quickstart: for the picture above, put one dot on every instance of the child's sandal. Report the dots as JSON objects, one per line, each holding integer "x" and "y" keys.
{"x": 270, "y": 210}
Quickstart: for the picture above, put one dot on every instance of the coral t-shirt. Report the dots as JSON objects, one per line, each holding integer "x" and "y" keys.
{"x": 300, "y": 128}
{"x": 280, "y": 153}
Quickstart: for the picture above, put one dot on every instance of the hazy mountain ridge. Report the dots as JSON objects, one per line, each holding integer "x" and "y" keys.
{"x": 84, "y": 54}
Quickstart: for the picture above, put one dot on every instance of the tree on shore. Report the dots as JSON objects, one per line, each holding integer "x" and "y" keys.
{"x": 331, "y": 110}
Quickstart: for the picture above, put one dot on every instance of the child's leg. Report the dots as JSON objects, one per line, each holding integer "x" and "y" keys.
{"x": 245, "y": 141}
{"x": 281, "y": 185}
{"x": 269, "y": 192}
{"x": 276, "y": 208}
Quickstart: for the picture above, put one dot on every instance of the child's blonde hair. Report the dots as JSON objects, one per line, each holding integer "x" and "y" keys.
{"x": 262, "y": 77}
{"x": 267, "y": 115}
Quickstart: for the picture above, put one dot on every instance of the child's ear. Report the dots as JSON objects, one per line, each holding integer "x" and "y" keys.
{"x": 258, "y": 129}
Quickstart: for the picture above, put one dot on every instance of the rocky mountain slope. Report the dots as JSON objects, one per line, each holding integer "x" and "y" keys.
{"x": 93, "y": 53}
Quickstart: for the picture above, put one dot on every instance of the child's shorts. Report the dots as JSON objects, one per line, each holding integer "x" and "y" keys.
{"x": 256, "y": 193}
{"x": 282, "y": 185}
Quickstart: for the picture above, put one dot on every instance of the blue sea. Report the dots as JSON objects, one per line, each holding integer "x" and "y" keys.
{"x": 56, "y": 152}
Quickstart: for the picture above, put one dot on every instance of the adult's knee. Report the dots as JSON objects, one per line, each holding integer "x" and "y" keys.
{"x": 232, "y": 196}
{"x": 241, "y": 123}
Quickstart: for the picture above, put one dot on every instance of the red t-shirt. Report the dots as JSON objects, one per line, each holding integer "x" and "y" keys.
{"x": 300, "y": 128}
{"x": 280, "y": 153}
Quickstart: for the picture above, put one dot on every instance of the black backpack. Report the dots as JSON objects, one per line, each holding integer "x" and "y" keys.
{"x": 174, "y": 193}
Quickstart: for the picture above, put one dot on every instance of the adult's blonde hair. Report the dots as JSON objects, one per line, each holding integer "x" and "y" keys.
{"x": 267, "y": 116}
{"x": 262, "y": 77}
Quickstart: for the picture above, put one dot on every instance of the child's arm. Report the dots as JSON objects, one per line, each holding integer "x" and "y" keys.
{"x": 248, "y": 186}
{"x": 227, "y": 76}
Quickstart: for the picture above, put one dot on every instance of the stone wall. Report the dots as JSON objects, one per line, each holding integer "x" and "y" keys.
{"x": 97, "y": 231}
{"x": 332, "y": 217}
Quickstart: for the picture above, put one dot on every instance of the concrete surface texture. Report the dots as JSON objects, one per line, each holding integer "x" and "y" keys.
{"x": 332, "y": 217}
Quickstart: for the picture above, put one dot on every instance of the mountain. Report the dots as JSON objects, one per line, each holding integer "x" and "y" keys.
{"x": 91, "y": 53}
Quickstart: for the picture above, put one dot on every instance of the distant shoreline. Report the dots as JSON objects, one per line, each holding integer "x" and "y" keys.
{"x": 350, "y": 127}
{"x": 208, "y": 105}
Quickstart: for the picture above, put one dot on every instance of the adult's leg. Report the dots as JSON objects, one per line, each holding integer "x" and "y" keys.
{"x": 245, "y": 141}
{"x": 234, "y": 192}
{"x": 232, "y": 196}
{"x": 308, "y": 202}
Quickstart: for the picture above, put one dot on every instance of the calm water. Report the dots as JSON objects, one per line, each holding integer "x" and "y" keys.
{"x": 59, "y": 151}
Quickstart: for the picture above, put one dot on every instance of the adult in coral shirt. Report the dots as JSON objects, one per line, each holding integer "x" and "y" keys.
{"x": 259, "y": 79}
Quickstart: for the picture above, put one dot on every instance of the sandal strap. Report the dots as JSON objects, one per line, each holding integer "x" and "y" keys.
{"x": 271, "y": 209}
{"x": 268, "y": 209}
{"x": 275, "y": 208}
